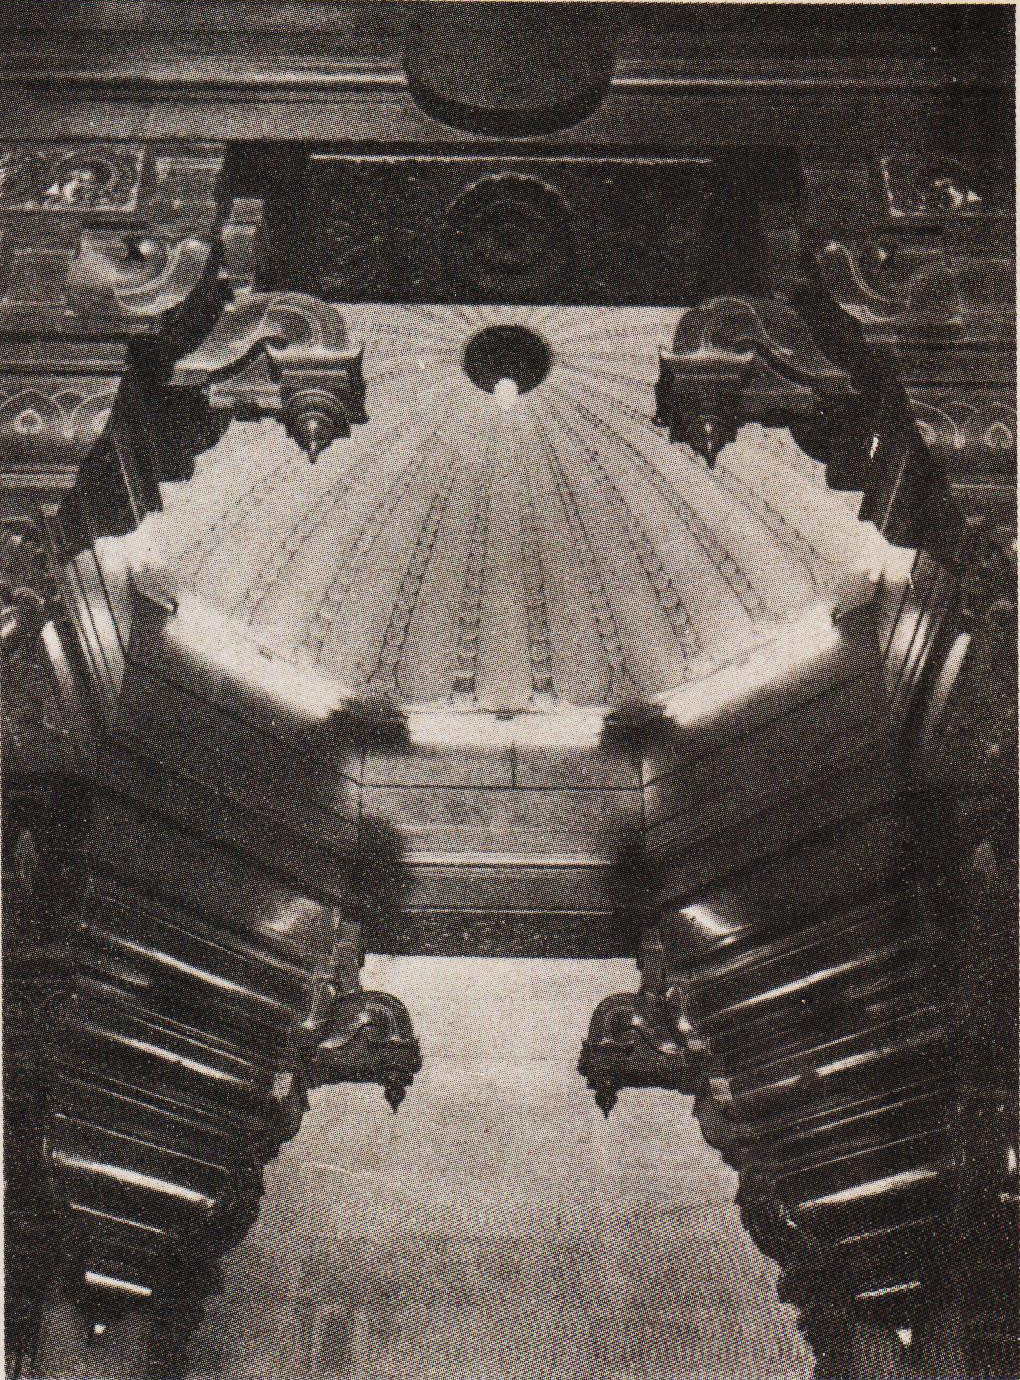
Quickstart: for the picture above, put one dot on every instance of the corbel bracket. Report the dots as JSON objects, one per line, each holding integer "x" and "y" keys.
{"x": 630, "y": 1045}
{"x": 737, "y": 360}
{"x": 635, "y": 1041}
{"x": 368, "y": 1038}
{"x": 283, "y": 355}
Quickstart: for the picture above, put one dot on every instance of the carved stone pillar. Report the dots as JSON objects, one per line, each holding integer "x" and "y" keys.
{"x": 846, "y": 999}
{"x": 181, "y": 964}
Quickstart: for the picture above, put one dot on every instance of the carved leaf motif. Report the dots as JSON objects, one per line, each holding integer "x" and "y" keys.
{"x": 70, "y": 177}
{"x": 977, "y": 430}
{"x": 53, "y": 420}
{"x": 931, "y": 185}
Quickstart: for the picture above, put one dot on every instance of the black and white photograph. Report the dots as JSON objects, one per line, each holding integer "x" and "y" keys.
{"x": 508, "y": 651}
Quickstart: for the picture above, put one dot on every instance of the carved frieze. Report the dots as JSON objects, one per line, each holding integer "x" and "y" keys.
{"x": 462, "y": 228}
{"x": 934, "y": 185}
{"x": 973, "y": 430}
{"x": 918, "y": 248}
{"x": 70, "y": 177}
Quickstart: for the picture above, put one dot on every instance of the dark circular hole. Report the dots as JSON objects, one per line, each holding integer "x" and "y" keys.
{"x": 507, "y": 352}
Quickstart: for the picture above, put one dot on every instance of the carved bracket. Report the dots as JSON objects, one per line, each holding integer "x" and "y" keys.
{"x": 368, "y": 1038}
{"x": 737, "y": 360}
{"x": 633, "y": 1038}
{"x": 631, "y": 1044}
{"x": 284, "y": 355}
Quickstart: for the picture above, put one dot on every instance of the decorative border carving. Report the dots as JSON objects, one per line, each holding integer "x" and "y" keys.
{"x": 108, "y": 249}
{"x": 70, "y": 177}
{"x": 921, "y": 255}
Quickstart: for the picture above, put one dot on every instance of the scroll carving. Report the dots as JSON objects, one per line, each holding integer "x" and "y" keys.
{"x": 736, "y": 360}
{"x": 632, "y": 1040}
{"x": 115, "y": 256}
{"x": 284, "y": 355}
{"x": 922, "y": 258}
{"x": 368, "y": 1038}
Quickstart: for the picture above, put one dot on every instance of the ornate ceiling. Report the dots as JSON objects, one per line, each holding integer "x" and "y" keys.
{"x": 515, "y": 548}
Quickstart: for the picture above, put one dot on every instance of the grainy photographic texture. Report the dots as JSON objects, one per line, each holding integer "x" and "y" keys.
{"x": 508, "y": 618}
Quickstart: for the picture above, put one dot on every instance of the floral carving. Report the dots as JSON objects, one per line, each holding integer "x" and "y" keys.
{"x": 71, "y": 178}
{"x": 509, "y": 231}
{"x": 976, "y": 429}
{"x": 931, "y": 185}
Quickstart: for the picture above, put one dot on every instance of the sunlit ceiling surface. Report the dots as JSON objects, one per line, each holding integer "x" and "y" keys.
{"x": 510, "y": 550}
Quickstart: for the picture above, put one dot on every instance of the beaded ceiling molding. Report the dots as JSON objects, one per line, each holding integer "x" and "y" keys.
{"x": 510, "y": 529}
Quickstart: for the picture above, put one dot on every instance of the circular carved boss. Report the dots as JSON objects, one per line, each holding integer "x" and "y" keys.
{"x": 512, "y": 70}
{"x": 509, "y": 235}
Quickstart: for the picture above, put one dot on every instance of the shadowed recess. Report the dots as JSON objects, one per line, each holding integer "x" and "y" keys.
{"x": 507, "y": 352}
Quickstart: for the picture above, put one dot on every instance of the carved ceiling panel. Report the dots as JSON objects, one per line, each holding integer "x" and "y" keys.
{"x": 507, "y": 228}
{"x": 510, "y": 527}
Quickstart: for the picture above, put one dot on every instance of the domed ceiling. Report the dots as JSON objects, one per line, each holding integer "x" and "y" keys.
{"x": 510, "y": 528}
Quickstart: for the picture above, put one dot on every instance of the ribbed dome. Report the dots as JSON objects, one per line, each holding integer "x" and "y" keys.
{"x": 509, "y": 548}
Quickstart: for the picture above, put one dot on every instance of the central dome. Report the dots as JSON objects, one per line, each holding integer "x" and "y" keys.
{"x": 510, "y": 529}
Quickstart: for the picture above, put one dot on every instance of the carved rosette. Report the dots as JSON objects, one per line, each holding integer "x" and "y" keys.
{"x": 509, "y": 234}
